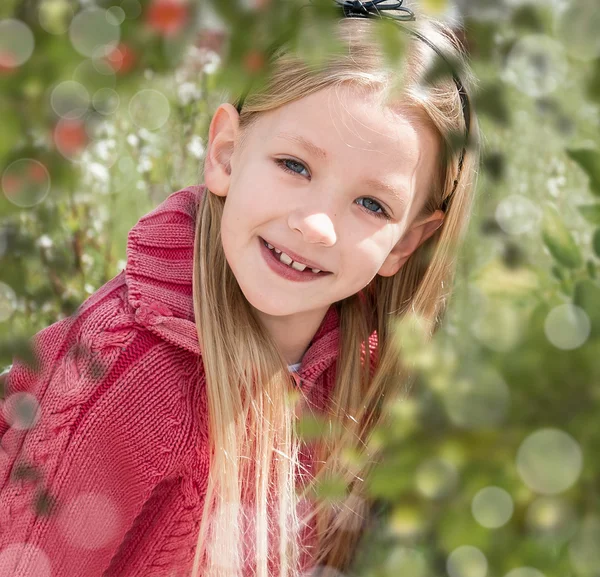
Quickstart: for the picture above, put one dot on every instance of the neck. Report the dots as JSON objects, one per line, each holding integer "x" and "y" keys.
{"x": 293, "y": 333}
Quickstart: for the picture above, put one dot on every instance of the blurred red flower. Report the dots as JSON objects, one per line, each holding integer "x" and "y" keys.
{"x": 254, "y": 61}
{"x": 122, "y": 59}
{"x": 167, "y": 17}
{"x": 37, "y": 172}
{"x": 7, "y": 61}
{"x": 70, "y": 136}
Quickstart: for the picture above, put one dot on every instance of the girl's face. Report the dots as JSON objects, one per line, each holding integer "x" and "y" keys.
{"x": 334, "y": 178}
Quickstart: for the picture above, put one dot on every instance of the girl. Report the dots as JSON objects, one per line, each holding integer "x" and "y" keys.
{"x": 165, "y": 443}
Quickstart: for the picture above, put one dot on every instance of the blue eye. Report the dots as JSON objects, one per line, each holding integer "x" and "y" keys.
{"x": 376, "y": 205}
{"x": 285, "y": 164}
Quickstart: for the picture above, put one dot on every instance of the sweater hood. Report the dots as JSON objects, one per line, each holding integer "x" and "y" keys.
{"x": 158, "y": 274}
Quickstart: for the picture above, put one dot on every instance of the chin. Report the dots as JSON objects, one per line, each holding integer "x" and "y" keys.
{"x": 265, "y": 303}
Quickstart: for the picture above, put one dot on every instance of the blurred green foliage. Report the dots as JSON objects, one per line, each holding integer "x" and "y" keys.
{"x": 489, "y": 465}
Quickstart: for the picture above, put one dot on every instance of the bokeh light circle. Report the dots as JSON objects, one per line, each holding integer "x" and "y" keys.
{"x": 132, "y": 8}
{"x": 497, "y": 325}
{"x": 8, "y": 301}
{"x": 567, "y": 326}
{"x": 149, "y": 109}
{"x": 407, "y": 561}
{"x": 577, "y": 28}
{"x": 407, "y": 522}
{"x": 16, "y": 43}
{"x": 536, "y": 65}
{"x": 92, "y": 30}
{"x": 479, "y": 399}
{"x": 516, "y": 214}
{"x": 21, "y": 411}
{"x": 492, "y": 507}
{"x": 436, "y": 478}
{"x": 95, "y": 74}
{"x": 55, "y": 16}
{"x": 116, "y": 14}
{"x": 25, "y": 182}
{"x": 549, "y": 461}
{"x": 37, "y": 563}
{"x": 70, "y": 99}
{"x": 525, "y": 572}
{"x": 551, "y": 517}
{"x": 90, "y": 521}
{"x": 466, "y": 561}
{"x": 106, "y": 101}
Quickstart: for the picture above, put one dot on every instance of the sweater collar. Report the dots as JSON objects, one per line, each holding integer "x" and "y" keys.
{"x": 160, "y": 250}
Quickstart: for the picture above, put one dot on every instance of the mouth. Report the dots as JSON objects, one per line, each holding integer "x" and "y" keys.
{"x": 288, "y": 261}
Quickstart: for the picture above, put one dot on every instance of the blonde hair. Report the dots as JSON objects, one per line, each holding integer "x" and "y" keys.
{"x": 252, "y": 495}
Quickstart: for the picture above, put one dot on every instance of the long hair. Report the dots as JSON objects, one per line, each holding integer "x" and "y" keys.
{"x": 252, "y": 518}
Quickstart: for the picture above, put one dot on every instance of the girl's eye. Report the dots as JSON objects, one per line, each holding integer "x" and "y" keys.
{"x": 285, "y": 163}
{"x": 370, "y": 203}
{"x": 290, "y": 166}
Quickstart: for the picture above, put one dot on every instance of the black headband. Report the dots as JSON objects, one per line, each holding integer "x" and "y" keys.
{"x": 375, "y": 8}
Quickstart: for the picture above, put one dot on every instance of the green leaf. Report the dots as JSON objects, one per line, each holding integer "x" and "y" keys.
{"x": 392, "y": 41}
{"x": 442, "y": 69}
{"x": 20, "y": 348}
{"x": 332, "y": 489}
{"x": 596, "y": 242}
{"x": 591, "y": 212}
{"x": 589, "y": 160}
{"x": 559, "y": 240}
{"x": 587, "y": 296}
{"x": 593, "y": 83}
{"x": 312, "y": 427}
{"x": 491, "y": 101}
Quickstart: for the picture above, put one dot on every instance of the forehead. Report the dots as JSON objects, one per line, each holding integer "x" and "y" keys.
{"x": 359, "y": 135}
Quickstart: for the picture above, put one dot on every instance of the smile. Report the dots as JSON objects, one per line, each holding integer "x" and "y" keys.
{"x": 286, "y": 266}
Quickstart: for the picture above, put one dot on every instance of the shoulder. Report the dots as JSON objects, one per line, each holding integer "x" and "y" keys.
{"x": 101, "y": 372}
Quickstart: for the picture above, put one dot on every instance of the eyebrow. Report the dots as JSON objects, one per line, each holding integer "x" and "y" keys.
{"x": 373, "y": 183}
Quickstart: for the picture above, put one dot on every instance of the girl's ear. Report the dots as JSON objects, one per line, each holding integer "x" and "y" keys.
{"x": 412, "y": 239}
{"x": 222, "y": 136}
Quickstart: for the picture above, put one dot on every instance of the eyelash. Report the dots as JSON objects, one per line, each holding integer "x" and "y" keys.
{"x": 281, "y": 162}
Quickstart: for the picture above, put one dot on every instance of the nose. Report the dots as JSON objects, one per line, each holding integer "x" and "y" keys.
{"x": 316, "y": 228}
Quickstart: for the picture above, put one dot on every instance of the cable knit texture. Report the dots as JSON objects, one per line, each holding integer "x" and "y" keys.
{"x": 109, "y": 479}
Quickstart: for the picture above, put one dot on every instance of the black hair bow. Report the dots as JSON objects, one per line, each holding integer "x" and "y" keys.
{"x": 366, "y": 9}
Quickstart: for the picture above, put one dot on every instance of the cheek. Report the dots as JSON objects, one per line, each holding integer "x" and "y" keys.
{"x": 364, "y": 260}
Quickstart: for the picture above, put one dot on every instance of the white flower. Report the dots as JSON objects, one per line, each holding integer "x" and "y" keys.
{"x": 99, "y": 171}
{"x": 133, "y": 140}
{"x": 212, "y": 62}
{"x": 188, "y": 92}
{"x": 145, "y": 164}
{"x": 104, "y": 148}
{"x": 147, "y": 135}
{"x": 195, "y": 146}
{"x": 45, "y": 241}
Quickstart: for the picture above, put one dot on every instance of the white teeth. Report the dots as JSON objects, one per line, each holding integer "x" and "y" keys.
{"x": 286, "y": 259}
{"x": 298, "y": 266}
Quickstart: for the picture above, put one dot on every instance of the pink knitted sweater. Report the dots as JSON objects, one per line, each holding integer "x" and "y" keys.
{"x": 110, "y": 479}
